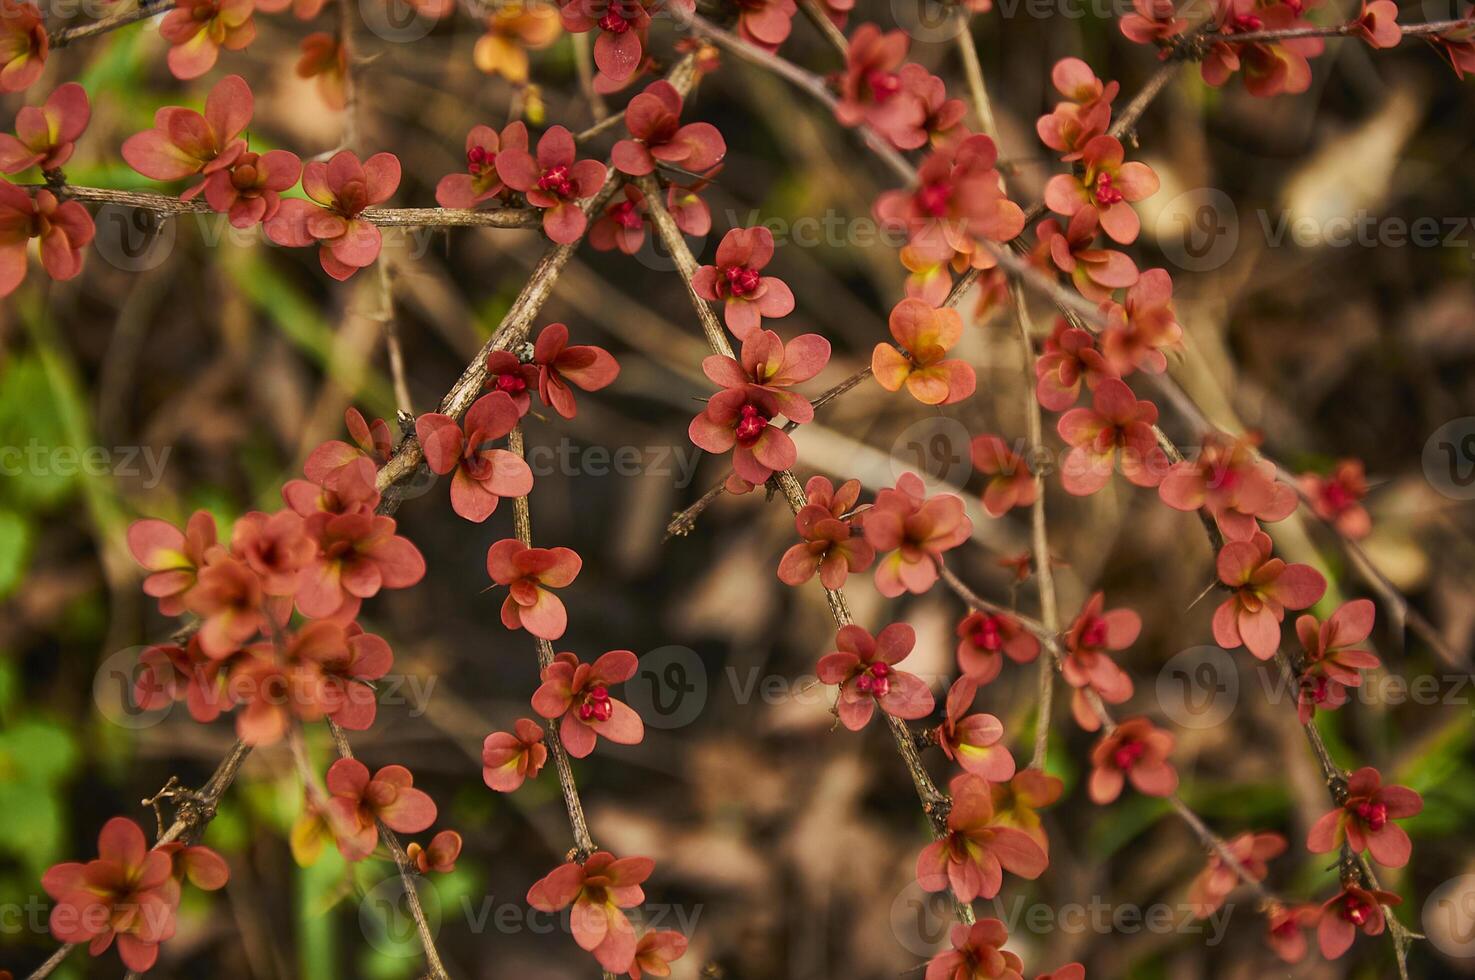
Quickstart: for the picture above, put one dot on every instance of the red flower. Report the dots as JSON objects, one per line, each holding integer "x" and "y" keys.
{"x": 440, "y": 856}
{"x": 371, "y": 448}
{"x": 1107, "y": 184}
{"x": 741, "y": 419}
{"x": 250, "y": 191}
{"x": 168, "y": 674}
{"x": 655, "y": 953}
{"x": 622, "y": 225}
{"x": 684, "y": 201}
{"x": 578, "y": 693}
{"x": 1087, "y": 663}
{"x": 770, "y": 366}
{"x": 171, "y": 557}
{"x": 976, "y": 850}
{"x": 936, "y": 119}
{"x": 1016, "y": 802}
{"x": 1346, "y": 912}
{"x": 326, "y": 60}
{"x": 358, "y": 803}
{"x": 1214, "y": 883}
{"x": 184, "y": 143}
{"x": 481, "y": 181}
{"x": 530, "y": 573}
{"x": 653, "y": 119}
{"x": 598, "y": 889}
{"x": 1010, "y": 484}
{"x": 1138, "y": 330}
{"x": 766, "y": 23}
{"x": 1336, "y": 499}
{"x": 1262, "y": 588}
{"x": 64, "y": 228}
{"x": 1270, "y": 69}
{"x": 1334, "y": 658}
{"x": 1084, "y": 116}
{"x": 555, "y": 182}
{"x": 1456, "y": 45}
{"x": 1116, "y": 425}
{"x": 506, "y": 373}
{"x": 128, "y": 892}
{"x": 1096, "y": 272}
{"x": 1234, "y": 485}
{"x": 871, "y": 90}
{"x": 590, "y": 368}
{"x": 483, "y": 475}
{"x": 1070, "y": 971}
{"x": 978, "y": 953}
{"x": 917, "y": 530}
{"x": 1377, "y": 24}
{"x": 958, "y": 200}
{"x": 1155, "y": 21}
{"x": 926, "y": 335}
{"x": 1284, "y": 925}
{"x": 736, "y": 279}
{"x": 45, "y": 136}
{"x": 508, "y": 758}
{"x": 1136, "y": 750}
{"x": 864, "y": 667}
{"x": 198, "y": 29}
{"x": 829, "y": 546}
{"x": 24, "y": 45}
{"x": 358, "y": 554}
{"x": 972, "y": 741}
{"x": 340, "y": 191}
{"x": 985, "y": 638}
{"x": 275, "y": 547}
{"x": 1365, "y": 820}
{"x": 1070, "y": 357}
{"x": 227, "y": 597}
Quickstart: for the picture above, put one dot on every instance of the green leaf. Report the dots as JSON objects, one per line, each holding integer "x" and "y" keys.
{"x": 15, "y": 550}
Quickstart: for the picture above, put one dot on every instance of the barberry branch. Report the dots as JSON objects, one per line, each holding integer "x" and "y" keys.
{"x": 193, "y": 812}
{"x": 406, "y": 871}
{"x": 1336, "y": 30}
{"x": 147, "y": 8}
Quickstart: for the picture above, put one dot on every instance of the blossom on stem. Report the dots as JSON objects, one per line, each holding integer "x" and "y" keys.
{"x": 554, "y": 181}
{"x": 830, "y": 544}
{"x": 1083, "y": 116}
{"x": 1107, "y": 184}
{"x": 1262, "y": 588}
{"x": 1351, "y": 910}
{"x": 1136, "y": 751}
{"x": 864, "y": 668}
{"x": 1088, "y": 664}
{"x": 512, "y": 30}
{"x": 24, "y": 45}
{"x": 585, "y": 366}
{"x": 1269, "y": 68}
{"x": 1116, "y": 426}
{"x": 655, "y": 952}
{"x": 1285, "y": 929}
{"x": 509, "y": 758}
{"x": 359, "y": 553}
{"x": 972, "y": 856}
{"x": 925, "y": 335}
{"x": 984, "y": 639}
{"x": 1337, "y": 499}
{"x": 578, "y": 694}
{"x": 45, "y": 135}
{"x": 1236, "y": 486}
{"x": 340, "y": 190}
{"x": 737, "y": 280}
{"x": 1365, "y": 820}
{"x": 1095, "y": 272}
{"x": 916, "y": 530}
{"x": 484, "y": 475}
{"x": 1017, "y": 801}
{"x": 1011, "y": 484}
{"x": 197, "y": 29}
{"x": 480, "y": 181}
{"x": 973, "y": 740}
{"x": 63, "y": 228}
{"x": 653, "y": 119}
{"x": 1140, "y": 328}
{"x": 1070, "y": 357}
{"x": 184, "y": 142}
{"x": 324, "y": 59}
{"x": 599, "y": 890}
{"x": 440, "y": 856}
{"x": 359, "y": 802}
{"x": 1251, "y": 851}
{"x": 977, "y": 953}
{"x": 741, "y": 419}
{"x": 1334, "y": 658}
{"x": 173, "y": 558}
{"x": 530, "y": 573}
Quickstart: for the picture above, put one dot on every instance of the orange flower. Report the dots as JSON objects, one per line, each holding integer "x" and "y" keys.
{"x": 513, "y": 30}
{"x": 926, "y": 334}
